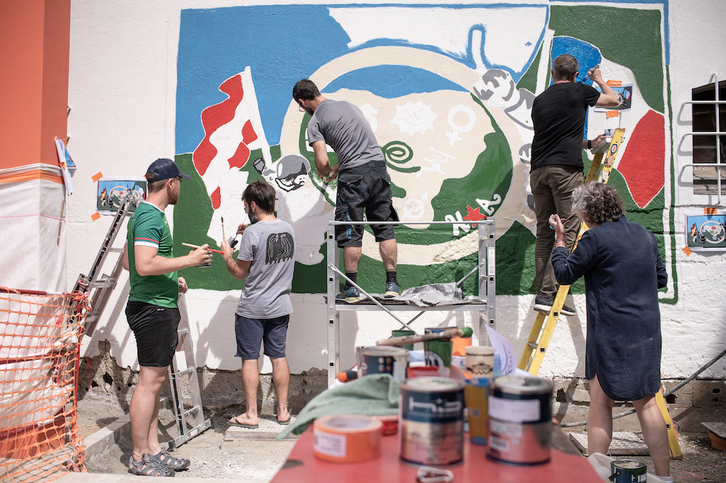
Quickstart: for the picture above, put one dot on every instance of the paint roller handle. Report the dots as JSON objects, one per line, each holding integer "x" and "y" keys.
{"x": 412, "y": 339}
{"x": 345, "y": 376}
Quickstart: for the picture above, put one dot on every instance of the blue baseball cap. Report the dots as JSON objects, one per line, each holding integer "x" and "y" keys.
{"x": 164, "y": 168}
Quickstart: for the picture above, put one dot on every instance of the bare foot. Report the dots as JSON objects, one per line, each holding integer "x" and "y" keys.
{"x": 244, "y": 421}
{"x": 283, "y": 416}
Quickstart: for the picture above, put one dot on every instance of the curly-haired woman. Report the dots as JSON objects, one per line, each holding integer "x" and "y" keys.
{"x": 623, "y": 271}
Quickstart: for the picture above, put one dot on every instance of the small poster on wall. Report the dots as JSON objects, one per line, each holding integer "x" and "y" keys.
{"x": 625, "y": 96}
{"x": 706, "y": 232}
{"x": 111, "y": 192}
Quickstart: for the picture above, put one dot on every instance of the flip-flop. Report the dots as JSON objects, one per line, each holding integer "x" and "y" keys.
{"x": 243, "y": 425}
{"x": 285, "y": 422}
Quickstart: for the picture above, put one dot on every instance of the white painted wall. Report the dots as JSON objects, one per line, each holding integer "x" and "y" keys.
{"x": 122, "y": 96}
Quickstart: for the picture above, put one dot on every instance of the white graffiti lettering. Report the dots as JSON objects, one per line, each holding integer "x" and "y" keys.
{"x": 457, "y": 217}
{"x": 488, "y": 205}
{"x": 438, "y": 407}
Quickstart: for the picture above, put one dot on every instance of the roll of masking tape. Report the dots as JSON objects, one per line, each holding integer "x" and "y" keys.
{"x": 347, "y": 438}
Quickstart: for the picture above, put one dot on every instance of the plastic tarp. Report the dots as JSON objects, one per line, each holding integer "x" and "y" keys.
{"x": 32, "y": 231}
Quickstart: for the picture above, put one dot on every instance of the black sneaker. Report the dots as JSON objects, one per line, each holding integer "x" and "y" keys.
{"x": 350, "y": 295}
{"x": 392, "y": 290}
{"x": 544, "y": 304}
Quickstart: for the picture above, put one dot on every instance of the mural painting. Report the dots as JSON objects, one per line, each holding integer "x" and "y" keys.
{"x": 447, "y": 90}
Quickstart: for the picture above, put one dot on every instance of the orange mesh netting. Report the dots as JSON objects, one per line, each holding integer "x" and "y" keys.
{"x": 40, "y": 338}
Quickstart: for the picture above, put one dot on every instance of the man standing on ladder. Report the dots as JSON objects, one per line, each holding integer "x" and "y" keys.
{"x": 558, "y": 116}
{"x": 152, "y": 312}
{"x": 363, "y": 180}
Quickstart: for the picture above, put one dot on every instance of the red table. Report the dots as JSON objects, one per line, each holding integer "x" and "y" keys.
{"x": 566, "y": 465}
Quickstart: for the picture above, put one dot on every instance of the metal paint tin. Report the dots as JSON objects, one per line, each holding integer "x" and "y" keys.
{"x": 438, "y": 351}
{"x": 628, "y": 471}
{"x": 431, "y": 421}
{"x": 520, "y": 420}
{"x": 385, "y": 360}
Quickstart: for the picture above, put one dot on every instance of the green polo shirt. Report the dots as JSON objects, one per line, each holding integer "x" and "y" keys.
{"x": 148, "y": 227}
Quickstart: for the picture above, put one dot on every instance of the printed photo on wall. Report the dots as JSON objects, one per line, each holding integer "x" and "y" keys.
{"x": 625, "y": 95}
{"x": 111, "y": 192}
{"x": 706, "y": 232}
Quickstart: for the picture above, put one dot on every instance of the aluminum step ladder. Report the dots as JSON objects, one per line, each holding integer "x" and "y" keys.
{"x": 97, "y": 286}
{"x": 190, "y": 422}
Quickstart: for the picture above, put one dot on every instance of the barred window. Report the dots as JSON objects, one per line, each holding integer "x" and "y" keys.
{"x": 709, "y": 139}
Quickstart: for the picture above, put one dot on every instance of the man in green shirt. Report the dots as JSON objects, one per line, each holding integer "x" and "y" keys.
{"x": 152, "y": 312}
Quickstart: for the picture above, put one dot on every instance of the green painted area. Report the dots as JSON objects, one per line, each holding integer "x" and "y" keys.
{"x": 191, "y": 222}
{"x": 529, "y": 79}
{"x": 515, "y": 261}
{"x": 630, "y": 37}
{"x": 490, "y": 178}
{"x": 673, "y": 273}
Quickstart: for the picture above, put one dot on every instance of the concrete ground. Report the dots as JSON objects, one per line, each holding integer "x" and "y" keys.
{"x": 247, "y": 456}
{"x": 253, "y": 456}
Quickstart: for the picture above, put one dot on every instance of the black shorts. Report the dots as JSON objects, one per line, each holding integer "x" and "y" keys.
{"x": 366, "y": 189}
{"x": 154, "y": 328}
{"x": 251, "y": 332}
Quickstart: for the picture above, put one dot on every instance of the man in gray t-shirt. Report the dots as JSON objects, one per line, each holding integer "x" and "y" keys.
{"x": 266, "y": 261}
{"x": 364, "y": 185}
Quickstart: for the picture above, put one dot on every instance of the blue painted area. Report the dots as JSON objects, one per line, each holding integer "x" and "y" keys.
{"x": 390, "y": 81}
{"x": 587, "y": 55}
{"x": 277, "y": 42}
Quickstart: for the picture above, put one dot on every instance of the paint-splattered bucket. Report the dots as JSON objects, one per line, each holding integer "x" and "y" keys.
{"x": 431, "y": 420}
{"x": 520, "y": 420}
{"x": 438, "y": 351}
{"x": 384, "y": 360}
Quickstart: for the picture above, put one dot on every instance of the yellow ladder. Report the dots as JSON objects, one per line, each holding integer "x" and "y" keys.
{"x": 538, "y": 340}
{"x": 536, "y": 347}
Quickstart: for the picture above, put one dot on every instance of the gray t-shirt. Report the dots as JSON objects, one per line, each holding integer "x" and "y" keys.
{"x": 270, "y": 246}
{"x": 342, "y": 126}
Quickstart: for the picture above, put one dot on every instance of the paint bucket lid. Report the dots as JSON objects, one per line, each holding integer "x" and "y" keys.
{"x": 514, "y": 384}
{"x": 385, "y": 351}
{"x": 432, "y": 384}
{"x": 627, "y": 464}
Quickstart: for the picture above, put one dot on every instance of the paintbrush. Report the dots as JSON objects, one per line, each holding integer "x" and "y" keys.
{"x": 197, "y": 246}
{"x": 412, "y": 339}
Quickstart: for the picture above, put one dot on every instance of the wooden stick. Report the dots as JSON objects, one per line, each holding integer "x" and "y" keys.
{"x": 197, "y": 246}
{"x": 412, "y": 339}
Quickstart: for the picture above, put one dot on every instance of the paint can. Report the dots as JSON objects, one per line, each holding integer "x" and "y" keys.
{"x": 384, "y": 360}
{"x": 431, "y": 421}
{"x": 628, "y": 471}
{"x": 438, "y": 351}
{"x": 520, "y": 420}
{"x": 403, "y": 333}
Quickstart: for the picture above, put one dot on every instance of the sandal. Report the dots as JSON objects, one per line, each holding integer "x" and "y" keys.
{"x": 148, "y": 467}
{"x": 167, "y": 460}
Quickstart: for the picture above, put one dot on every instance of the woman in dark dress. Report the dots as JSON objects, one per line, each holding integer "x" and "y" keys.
{"x": 623, "y": 272}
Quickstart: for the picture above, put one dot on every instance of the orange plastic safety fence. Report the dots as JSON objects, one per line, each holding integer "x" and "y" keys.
{"x": 40, "y": 338}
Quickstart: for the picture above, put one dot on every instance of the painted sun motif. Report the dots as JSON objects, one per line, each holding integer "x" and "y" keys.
{"x": 414, "y": 118}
